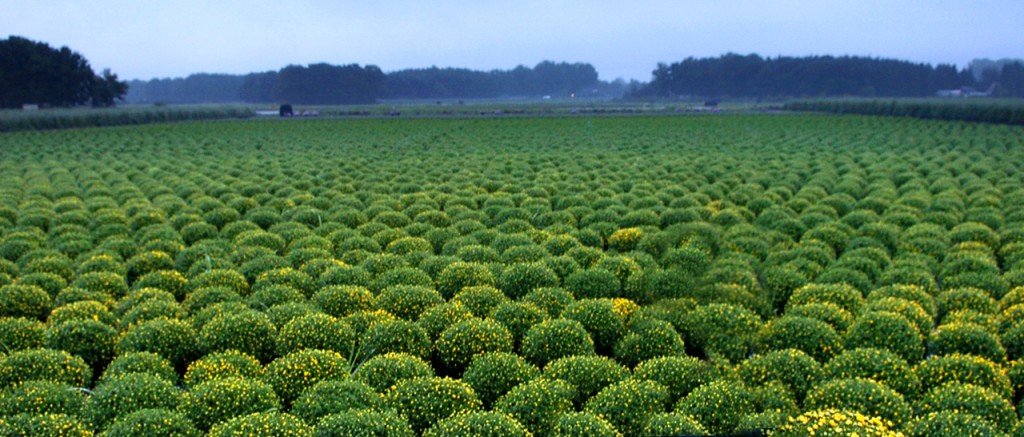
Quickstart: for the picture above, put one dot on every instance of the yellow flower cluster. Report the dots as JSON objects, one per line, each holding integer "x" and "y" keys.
{"x": 833, "y": 422}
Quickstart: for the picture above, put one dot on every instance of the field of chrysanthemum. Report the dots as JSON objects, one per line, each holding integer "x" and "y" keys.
{"x": 566, "y": 276}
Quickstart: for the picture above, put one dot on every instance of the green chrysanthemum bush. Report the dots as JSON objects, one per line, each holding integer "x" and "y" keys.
{"x": 29, "y": 301}
{"x": 459, "y": 275}
{"x": 909, "y": 309}
{"x": 266, "y": 424}
{"x": 402, "y": 276}
{"x": 425, "y": 401}
{"x": 248, "y": 331}
{"x": 885, "y": 330}
{"x": 937, "y": 371}
{"x": 814, "y": 337}
{"x": 199, "y": 299}
{"x": 553, "y": 339}
{"x": 171, "y": 339}
{"x": 408, "y": 301}
{"x": 395, "y": 336}
{"x": 584, "y": 424}
{"x": 222, "y": 399}
{"x": 49, "y": 282}
{"x": 225, "y": 364}
{"x": 593, "y": 283}
{"x": 647, "y": 339}
{"x": 679, "y": 374}
{"x": 493, "y": 374}
{"x": 600, "y": 318}
{"x": 43, "y": 364}
{"x": 73, "y": 294}
{"x": 147, "y": 262}
{"x": 552, "y": 300}
{"x": 221, "y": 278}
{"x": 629, "y": 404}
{"x": 439, "y": 317}
{"x": 978, "y": 401}
{"x": 588, "y": 374}
{"x": 718, "y": 405}
{"x": 267, "y": 296}
{"x": 90, "y": 339}
{"x": 19, "y": 333}
{"x": 291, "y": 374}
{"x": 861, "y": 395}
{"x": 847, "y": 297}
{"x": 722, "y": 330}
{"x": 831, "y": 422}
{"x": 335, "y": 396}
{"x": 358, "y": 423}
{"x": 518, "y": 279}
{"x": 952, "y": 423}
{"x": 881, "y": 365}
{"x": 965, "y": 299}
{"x": 830, "y": 313}
{"x": 149, "y": 310}
{"x": 82, "y": 310}
{"x": 141, "y": 362}
{"x": 168, "y": 280}
{"x": 343, "y": 300}
{"x": 537, "y": 404}
{"x": 479, "y": 423}
{"x": 315, "y": 331}
{"x": 967, "y": 338}
{"x": 140, "y": 296}
{"x": 121, "y": 395}
{"x": 41, "y": 397}
{"x": 664, "y": 424}
{"x": 44, "y": 425}
{"x": 912, "y": 293}
{"x": 152, "y": 421}
{"x": 457, "y": 345}
{"x": 382, "y": 372}
{"x": 518, "y": 317}
{"x": 792, "y": 368}
{"x": 480, "y": 300}
{"x": 288, "y": 276}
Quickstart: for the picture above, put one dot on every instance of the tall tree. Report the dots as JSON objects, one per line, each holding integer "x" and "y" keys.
{"x": 34, "y": 72}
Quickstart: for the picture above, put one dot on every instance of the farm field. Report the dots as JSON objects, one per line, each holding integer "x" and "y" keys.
{"x": 562, "y": 276}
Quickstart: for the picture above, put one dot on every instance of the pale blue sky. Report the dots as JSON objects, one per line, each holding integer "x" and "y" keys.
{"x": 142, "y": 39}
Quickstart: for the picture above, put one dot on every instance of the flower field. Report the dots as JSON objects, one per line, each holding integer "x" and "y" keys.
{"x": 793, "y": 275}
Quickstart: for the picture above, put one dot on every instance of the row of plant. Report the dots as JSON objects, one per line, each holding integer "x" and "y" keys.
{"x": 49, "y": 119}
{"x": 986, "y": 110}
{"x": 567, "y": 276}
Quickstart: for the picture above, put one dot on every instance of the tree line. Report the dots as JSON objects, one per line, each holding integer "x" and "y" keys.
{"x": 752, "y": 76}
{"x": 349, "y": 84}
{"x": 34, "y": 73}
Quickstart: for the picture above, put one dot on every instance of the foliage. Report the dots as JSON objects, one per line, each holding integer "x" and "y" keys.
{"x": 721, "y": 330}
{"x": 383, "y": 372}
{"x": 269, "y": 424}
{"x": 861, "y": 395}
{"x": 41, "y": 397}
{"x": 553, "y": 339}
{"x": 584, "y": 424}
{"x": 951, "y": 423}
{"x": 335, "y": 396}
{"x": 885, "y": 330}
{"x": 250, "y": 332}
{"x": 718, "y": 405}
{"x": 426, "y": 400}
{"x": 152, "y": 421}
{"x": 629, "y": 404}
{"x": 225, "y": 364}
{"x": 492, "y": 374}
{"x": 291, "y": 374}
{"x": 537, "y": 404}
{"x": 814, "y": 337}
{"x": 121, "y": 395}
{"x": 479, "y": 423}
{"x": 43, "y": 364}
{"x": 56, "y": 77}
{"x": 833, "y": 422}
{"x": 315, "y": 331}
{"x": 44, "y": 425}
{"x": 357, "y": 423}
{"x": 971, "y": 399}
{"x": 222, "y": 399}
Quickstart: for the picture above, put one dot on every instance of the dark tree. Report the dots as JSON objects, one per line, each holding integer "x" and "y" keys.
{"x": 751, "y": 76}
{"x": 34, "y": 72}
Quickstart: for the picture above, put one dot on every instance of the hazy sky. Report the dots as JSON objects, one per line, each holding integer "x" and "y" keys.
{"x": 142, "y": 39}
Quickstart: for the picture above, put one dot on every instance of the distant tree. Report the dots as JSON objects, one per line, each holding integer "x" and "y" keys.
{"x": 34, "y": 72}
{"x": 734, "y": 75}
{"x": 1011, "y": 79}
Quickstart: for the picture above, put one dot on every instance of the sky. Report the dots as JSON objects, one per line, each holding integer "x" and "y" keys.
{"x": 144, "y": 39}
